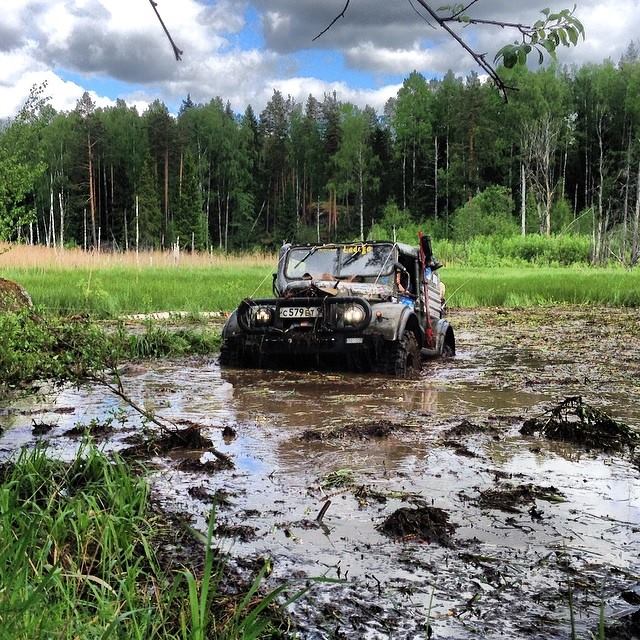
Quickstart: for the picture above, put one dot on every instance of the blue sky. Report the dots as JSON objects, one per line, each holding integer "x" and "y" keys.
{"x": 241, "y": 50}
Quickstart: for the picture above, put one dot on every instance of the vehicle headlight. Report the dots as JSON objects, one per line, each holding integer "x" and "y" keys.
{"x": 354, "y": 314}
{"x": 263, "y": 315}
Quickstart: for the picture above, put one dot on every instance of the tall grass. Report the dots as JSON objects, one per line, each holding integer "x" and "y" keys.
{"x": 107, "y": 291}
{"x": 78, "y": 560}
{"x": 532, "y": 286}
{"x": 37, "y": 256}
{"x": 76, "y": 551}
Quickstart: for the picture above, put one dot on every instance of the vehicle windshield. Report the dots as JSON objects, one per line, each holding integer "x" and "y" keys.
{"x": 325, "y": 263}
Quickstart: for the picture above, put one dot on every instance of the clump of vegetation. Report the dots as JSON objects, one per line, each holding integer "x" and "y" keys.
{"x": 36, "y": 347}
{"x": 488, "y": 213}
{"x": 81, "y": 550}
{"x": 573, "y": 420}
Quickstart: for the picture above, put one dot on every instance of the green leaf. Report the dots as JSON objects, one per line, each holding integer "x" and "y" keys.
{"x": 572, "y": 32}
{"x": 522, "y": 56}
{"x": 563, "y": 37}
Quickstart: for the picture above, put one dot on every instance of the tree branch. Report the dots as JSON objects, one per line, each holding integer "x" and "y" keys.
{"x": 413, "y": 6}
{"x": 340, "y": 15}
{"x": 176, "y": 51}
{"x": 478, "y": 57}
{"x": 546, "y": 35}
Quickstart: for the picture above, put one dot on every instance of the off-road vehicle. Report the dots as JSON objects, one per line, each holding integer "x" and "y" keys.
{"x": 371, "y": 305}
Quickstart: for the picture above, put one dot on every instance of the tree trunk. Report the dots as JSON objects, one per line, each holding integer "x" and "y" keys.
{"x": 137, "y": 225}
{"x": 126, "y": 231}
{"x": 625, "y": 207}
{"x": 61, "y": 201}
{"x": 446, "y": 184}
{"x": 92, "y": 198}
{"x": 361, "y": 184}
{"x": 404, "y": 178}
{"x": 226, "y": 225}
{"x": 523, "y": 201}
{"x": 435, "y": 178}
{"x": 598, "y": 256}
{"x": 635, "y": 242}
{"x": 52, "y": 221}
{"x": 166, "y": 187}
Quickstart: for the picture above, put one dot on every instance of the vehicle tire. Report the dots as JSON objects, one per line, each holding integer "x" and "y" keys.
{"x": 232, "y": 354}
{"x": 402, "y": 358}
{"x": 447, "y": 351}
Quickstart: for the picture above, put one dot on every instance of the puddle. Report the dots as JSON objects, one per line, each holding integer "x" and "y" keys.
{"x": 500, "y": 573}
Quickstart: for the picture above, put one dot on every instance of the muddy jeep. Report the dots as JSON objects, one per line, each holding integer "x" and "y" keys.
{"x": 373, "y": 306}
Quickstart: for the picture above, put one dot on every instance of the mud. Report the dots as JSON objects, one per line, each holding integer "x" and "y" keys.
{"x": 380, "y": 429}
{"x": 425, "y": 524}
{"x": 511, "y": 499}
{"x": 504, "y": 573}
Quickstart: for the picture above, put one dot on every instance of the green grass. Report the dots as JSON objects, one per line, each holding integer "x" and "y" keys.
{"x": 532, "y": 286}
{"x": 110, "y": 292}
{"x": 78, "y": 559}
{"x": 121, "y": 290}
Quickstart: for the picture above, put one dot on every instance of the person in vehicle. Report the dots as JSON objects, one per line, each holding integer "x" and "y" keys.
{"x": 402, "y": 279}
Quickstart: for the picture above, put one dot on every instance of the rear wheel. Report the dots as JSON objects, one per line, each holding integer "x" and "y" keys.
{"x": 402, "y": 357}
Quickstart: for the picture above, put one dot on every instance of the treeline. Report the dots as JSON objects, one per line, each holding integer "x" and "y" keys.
{"x": 563, "y": 155}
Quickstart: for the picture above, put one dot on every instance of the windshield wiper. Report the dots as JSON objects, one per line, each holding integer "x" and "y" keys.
{"x": 353, "y": 257}
{"x": 307, "y": 255}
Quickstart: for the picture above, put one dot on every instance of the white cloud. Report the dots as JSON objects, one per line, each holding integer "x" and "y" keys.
{"x": 300, "y": 88}
{"x": 122, "y": 40}
{"x": 396, "y": 61}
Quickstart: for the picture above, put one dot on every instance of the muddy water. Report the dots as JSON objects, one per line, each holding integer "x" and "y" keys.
{"x": 506, "y": 573}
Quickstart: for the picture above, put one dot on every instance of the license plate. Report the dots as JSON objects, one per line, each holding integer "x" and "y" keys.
{"x": 300, "y": 312}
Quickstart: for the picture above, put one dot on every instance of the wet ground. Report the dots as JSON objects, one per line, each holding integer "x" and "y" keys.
{"x": 439, "y": 516}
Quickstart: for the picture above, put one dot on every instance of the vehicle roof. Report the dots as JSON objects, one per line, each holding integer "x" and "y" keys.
{"x": 403, "y": 248}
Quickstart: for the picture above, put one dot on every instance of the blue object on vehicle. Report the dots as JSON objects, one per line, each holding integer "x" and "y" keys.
{"x": 408, "y": 300}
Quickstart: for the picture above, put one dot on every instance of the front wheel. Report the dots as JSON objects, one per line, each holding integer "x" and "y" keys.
{"x": 402, "y": 357}
{"x": 232, "y": 354}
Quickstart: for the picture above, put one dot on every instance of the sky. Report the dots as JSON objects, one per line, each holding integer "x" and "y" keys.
{"x": 241, "y": 50}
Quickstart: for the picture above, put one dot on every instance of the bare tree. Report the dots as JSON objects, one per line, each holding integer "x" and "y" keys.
{"x": 540, "y": 144}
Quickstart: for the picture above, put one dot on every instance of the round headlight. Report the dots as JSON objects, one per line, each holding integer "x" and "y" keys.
{"x": 263, "y": 315}
{"x": 354, "y": 314}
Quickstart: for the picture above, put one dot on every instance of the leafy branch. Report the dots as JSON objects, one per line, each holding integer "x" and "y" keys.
{"x": 545, "y": 35}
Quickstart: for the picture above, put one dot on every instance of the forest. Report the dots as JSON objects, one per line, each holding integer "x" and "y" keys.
{"x": 561, "y": 156}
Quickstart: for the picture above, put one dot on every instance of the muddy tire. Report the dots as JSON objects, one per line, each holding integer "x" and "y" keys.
{"x": 402, "y": 357}
{"x": 232, "y": 354}
{"x": 447, "y": 351}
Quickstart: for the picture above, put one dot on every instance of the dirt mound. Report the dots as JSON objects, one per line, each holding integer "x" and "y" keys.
{"x": 466, "y": 428}
{"x": 381, "y": 429}
{"x": 189, "y": 438}
{"x": 428, "y": 524}
{"x": 222, "y": 462}
{"x": 575, "y": 421}
{"x": 13, "y": 297}
{"x": 510, "y": 498}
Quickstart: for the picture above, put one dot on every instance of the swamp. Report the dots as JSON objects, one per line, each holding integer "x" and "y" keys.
{"x": 437, "y": 507}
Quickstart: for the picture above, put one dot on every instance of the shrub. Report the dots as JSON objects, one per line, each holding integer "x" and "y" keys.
{"x": 488, "y": 213}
